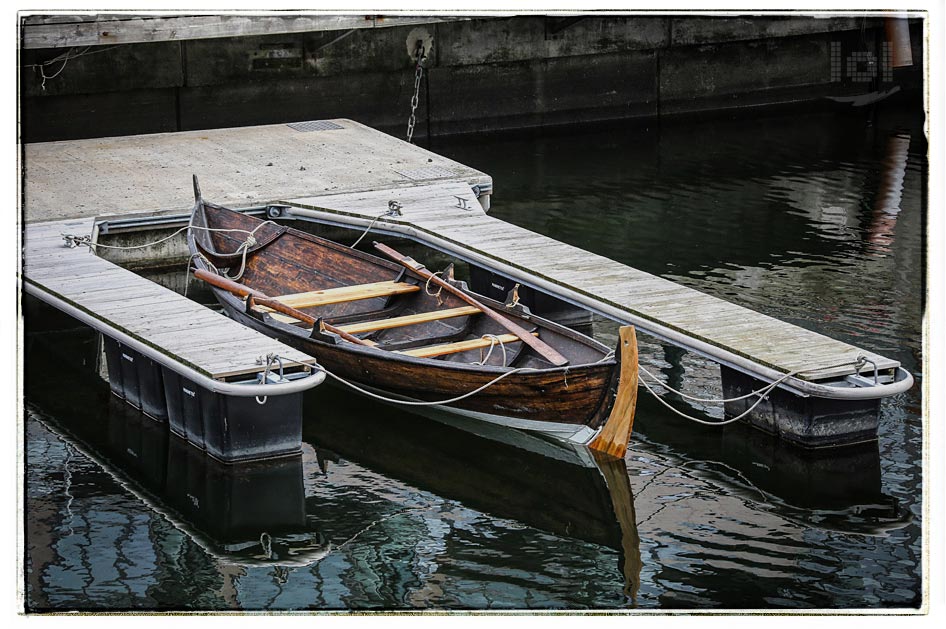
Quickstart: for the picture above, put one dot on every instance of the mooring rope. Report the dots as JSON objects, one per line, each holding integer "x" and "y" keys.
{"x": 439, "y": 287}
{"x": 458, "y": 398}
{"x": 659, "y": 382}
{"x": 762, "y": 393}
{"x": 190, "y": 261}
{"x": 394, "y": 209}
{"x": 74, "y": 241}
{"x": 493, "y": 340}
{"x": 249, "y": 242}
{"x": 391, "y": 400}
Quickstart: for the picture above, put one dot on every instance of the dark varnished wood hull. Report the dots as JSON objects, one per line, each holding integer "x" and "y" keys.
{"x": 579, "y": 396}
{"x": 536, "y": 396}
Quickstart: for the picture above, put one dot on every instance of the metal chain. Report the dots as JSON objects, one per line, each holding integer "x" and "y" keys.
{"x": 418, "y": 74}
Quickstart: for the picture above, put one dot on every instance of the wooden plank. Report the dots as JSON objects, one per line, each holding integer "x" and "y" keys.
{"x": 136, "y": 30}
{"x": 397, "y": 322}
{"x": 343, "y": 294}
{"x": 460, "y": 346}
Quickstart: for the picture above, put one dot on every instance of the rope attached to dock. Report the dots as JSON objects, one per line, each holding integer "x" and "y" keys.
{"x": 73, "y": 241}
{"x": 761, "y": 393}
{"x": 391, "y": 400}
{"x": 394, "y": 209}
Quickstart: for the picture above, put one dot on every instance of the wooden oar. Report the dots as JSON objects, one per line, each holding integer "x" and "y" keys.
{"x": 261, "y": 299}
{"x": 545, "y": 350}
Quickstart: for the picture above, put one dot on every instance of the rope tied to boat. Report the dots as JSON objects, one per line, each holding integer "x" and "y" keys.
{"x": 72, "y": 241}
{"x": 245, "y": 247}
{"x": 270, "y": 359}
{"x": 762, "y": 393}
{"x": 391, "y": 400}
{"x": 394, "y": 209}
{"x": 439, "y": 289}
{"x": 493, "y": 340}
{"x": 190, "y": 261}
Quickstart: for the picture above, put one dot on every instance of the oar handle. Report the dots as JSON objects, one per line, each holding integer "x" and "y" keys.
{"x": 260, "y": 298}
{"x": 544, "y": 349}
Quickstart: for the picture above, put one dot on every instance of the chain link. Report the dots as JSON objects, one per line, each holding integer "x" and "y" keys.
{"x": 418, "y": 74}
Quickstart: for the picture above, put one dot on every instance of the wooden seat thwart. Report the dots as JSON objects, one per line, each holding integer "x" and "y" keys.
{"x": 343, "y": 294}
{"x": 393, "y": 322}
{"x": 461, "y": 346}
{"x": 414, "y": 319}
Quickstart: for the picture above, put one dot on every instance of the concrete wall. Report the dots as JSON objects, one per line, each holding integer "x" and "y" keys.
{"x": 482, "y": 74}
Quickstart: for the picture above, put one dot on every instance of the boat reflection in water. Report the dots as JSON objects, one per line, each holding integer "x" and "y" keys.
{"x": 557, "y": 487}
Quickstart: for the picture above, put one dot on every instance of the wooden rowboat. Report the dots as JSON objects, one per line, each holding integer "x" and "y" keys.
{"x": 395, "y": 330}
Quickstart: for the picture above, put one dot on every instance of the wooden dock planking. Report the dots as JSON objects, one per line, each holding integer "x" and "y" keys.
{"x": 186, "y": 331}
{"x": 431, "y": 210}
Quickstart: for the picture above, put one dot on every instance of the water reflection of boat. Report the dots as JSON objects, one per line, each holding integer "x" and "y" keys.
{"x": 566, "y": 490}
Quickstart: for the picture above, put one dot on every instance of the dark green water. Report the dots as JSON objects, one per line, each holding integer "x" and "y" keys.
{"x": 815, "y": 219}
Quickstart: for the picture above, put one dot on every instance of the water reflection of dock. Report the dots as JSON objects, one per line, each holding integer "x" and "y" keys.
{"x": 838, "y": 489}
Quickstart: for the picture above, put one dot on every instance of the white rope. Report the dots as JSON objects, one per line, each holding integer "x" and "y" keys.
{"x": 493, "y": 339}
{"x": 762, "y": 393}
{"x": 391, "y": 400}
{"x": 713, "y": 400}
{"x": 762, "y": 396}
{"x": 413, "y": 403}
{"x": 368, "y": 229}
{"x": 427, "y": 285}
{"x": 394, "y": 209}
{"x": 249, "y": 242}
{"x": 187, "y": 273}
{"x": 72, "y": 241}
{"x": 656, "y": 380}
{"x": 42, "y": 72}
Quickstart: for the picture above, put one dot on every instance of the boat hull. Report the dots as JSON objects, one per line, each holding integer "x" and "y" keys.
{"x": 558, "y": 402}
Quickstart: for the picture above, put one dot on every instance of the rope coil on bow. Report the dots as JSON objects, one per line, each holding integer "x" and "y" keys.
{"x": 439, "y": 289}
{"x": 493, "y": 340}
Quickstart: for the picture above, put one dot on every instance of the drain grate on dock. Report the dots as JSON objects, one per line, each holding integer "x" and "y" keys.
{"x": 427, "y": 172}
{"x": 315, "y": 125}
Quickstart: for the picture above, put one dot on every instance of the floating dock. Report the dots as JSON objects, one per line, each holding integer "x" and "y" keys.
{"x": 207, "y": 376}
{"x": 342, "y": 173}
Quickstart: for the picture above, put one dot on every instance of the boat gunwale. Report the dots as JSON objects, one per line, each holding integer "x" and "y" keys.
{"x": 304, "y": 334}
